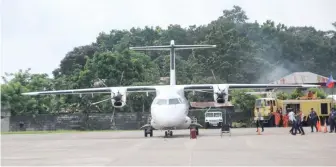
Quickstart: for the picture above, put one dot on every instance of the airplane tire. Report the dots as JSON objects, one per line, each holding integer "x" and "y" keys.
{"x": 197, "y": 131}
{"x": 171, "y": 133}
{"x": 166, "y": 134}
{"x": 145, "y": 133}
{"x": 151, "y": 133}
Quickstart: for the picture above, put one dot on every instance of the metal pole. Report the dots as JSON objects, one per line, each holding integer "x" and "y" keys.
{"x": 332, "y": 96}
{"x": 332, "y": 93}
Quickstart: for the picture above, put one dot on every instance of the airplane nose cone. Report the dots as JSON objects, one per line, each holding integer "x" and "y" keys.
{"x": 170, "y": 117}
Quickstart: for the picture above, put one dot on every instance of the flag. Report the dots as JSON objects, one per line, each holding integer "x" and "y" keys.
{"x": 330, "y": 82}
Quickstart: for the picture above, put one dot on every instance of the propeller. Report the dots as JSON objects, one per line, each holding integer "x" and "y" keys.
{"x": 117, "y": 97}
{"x": 87, "y": 102}
{"x": 221, "y": 93}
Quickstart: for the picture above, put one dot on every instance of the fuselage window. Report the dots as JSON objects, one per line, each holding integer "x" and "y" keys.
{"x": 174, "y": 101}
{"x": 161, "y": 102}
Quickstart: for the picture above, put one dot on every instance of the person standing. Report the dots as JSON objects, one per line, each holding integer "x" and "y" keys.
{"x": 259, "y": 120}
{"x": 285, "y": 120}
{"x": 299, "y": 119}
{"x": 277, "y": 118}
{"x": 291, "y": 117}
{"x": 313, "y": 120}
{"x": 332, "y": 120}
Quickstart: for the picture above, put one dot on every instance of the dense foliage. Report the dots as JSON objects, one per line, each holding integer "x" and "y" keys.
{"x": 247, "y": 52}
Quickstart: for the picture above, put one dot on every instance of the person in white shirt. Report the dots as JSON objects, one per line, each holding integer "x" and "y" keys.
{"x": 292, "y": 118}
{"x": 260, "y": 121}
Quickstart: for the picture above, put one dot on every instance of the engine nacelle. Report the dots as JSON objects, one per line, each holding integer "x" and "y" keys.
{"x": 118, "y": 104}
{"x": 221, "y": 93}
{"x": 118, "y": 99}
{"x": 219, "y": 97}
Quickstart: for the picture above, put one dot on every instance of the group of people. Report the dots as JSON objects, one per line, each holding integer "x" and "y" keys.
{"x": 297, "y": 118}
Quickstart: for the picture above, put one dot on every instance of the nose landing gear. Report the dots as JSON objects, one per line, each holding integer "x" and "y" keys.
{"x": 168, "y": 133}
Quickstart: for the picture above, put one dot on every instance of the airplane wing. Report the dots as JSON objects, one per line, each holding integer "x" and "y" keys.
{"x": 199, "y": 87}
{"x": 105, "y": 90}
{"x": 256, "y": 86}
{"x": 207, "y": 87}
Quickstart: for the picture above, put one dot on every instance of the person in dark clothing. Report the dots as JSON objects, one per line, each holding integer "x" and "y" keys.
{"x": 332, "y": 120}
{"x": 21, "y": 125}
{"x": 293, "y": 130}
{"x": 293, "y": 120}
{"x": 259, "y": 121}
{"x": 313, "y": 120}
{"x": 299, "y": 120}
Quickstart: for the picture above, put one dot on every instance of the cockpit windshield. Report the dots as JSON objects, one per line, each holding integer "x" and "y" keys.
{"x": 161, "y": 102}
{"x": 168, "y": 101}
{"x": 174, "y": 101}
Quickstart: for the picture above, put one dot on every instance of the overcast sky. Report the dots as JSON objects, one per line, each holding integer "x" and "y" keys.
{"x": 38, "y": 33}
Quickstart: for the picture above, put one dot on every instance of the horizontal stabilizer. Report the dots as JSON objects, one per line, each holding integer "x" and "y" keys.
{"x": 167, "y": 47}
{"x": 183, "y": 47}
{"x": 176, "y": 47}
{"x": 172, "y": 46}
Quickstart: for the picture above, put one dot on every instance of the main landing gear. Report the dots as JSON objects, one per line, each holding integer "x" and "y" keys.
{"x": 148, "y": 131}
{"x": 168, "y": 133}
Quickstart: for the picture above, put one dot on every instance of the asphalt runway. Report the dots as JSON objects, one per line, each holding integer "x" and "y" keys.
{"x": 274, "y": 147}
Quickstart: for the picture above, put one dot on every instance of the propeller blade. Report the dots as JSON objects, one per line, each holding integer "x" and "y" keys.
{"x": 101, "y": 101}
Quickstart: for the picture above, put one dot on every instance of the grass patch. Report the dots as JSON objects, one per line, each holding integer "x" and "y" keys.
{"x": 59, "y": 131}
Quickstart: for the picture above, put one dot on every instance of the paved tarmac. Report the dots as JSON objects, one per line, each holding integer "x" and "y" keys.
{"x": 274, "y": 147}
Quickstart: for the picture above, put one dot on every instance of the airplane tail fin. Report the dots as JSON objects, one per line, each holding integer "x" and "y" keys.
{"x": 172, "y": 47}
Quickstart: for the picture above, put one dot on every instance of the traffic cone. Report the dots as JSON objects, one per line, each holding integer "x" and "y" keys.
{"x": 319, "y": 126}
{"x": 325, "y": 126}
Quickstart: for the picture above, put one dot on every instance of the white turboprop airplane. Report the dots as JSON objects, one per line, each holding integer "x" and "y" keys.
{"x": 169, "y": 109}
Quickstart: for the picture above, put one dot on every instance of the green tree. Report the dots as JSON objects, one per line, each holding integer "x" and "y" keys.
{"x": 247, "y": 52}
{"x": 243, "y": 101}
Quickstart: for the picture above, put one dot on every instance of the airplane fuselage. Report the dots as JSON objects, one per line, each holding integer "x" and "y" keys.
{"x": 169, "y": 109}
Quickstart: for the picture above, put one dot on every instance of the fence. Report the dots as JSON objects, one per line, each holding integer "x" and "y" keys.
{"x": 93, "y": 121}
